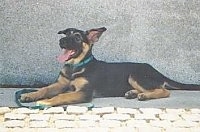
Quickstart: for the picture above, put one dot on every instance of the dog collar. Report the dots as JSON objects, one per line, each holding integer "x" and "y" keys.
{"x": 82, "y": 63}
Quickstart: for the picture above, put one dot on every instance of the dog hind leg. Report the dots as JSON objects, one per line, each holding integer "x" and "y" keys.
{"x": 154, "y": 94}
{"x": 132, "y": 94}
{"x": 143, "y": 94}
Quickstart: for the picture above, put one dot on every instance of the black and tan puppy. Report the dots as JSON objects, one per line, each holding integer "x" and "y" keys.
{"x": 83, "y": 77}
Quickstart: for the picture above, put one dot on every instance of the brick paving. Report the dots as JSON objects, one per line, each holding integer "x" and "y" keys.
{"x": 105, "y": 119}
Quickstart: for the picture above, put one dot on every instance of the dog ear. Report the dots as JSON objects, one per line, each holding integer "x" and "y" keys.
{"x": 62, "y": 32}
{"x": 93, "y": 35}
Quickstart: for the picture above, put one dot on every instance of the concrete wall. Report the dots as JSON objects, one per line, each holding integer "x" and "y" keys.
{"x": 163, "y": 33}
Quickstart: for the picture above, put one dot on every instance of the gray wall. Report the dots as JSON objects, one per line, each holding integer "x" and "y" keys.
{"x": 163, "y": 33}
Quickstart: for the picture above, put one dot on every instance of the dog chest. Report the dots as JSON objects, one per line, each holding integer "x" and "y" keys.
{"x": 73, "y": 79}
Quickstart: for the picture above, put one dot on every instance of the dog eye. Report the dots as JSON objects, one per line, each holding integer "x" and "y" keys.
{"x": 78, "y": 37}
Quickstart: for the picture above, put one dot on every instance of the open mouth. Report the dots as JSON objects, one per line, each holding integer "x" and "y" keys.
{"x": 66, "y": 55}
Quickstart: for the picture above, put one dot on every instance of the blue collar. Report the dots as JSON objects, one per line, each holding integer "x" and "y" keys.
{"x": 82, "y": 63}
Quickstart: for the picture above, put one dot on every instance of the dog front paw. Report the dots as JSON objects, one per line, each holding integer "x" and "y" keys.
{"x": 27, "y": 98}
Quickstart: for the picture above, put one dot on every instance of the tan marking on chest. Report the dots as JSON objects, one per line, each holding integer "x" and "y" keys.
{"x": 79, "y": 72}
{"x": 79, "y": 83}
{"x": 63, "y": 80}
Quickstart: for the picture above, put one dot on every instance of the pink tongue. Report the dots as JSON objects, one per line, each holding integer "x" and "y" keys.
{"x": 65, "y": 55}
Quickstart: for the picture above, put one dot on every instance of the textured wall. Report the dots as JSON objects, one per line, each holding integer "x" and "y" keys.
{"x": 163, "y": 33}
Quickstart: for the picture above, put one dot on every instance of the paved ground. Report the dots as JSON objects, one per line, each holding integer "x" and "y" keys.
{"x": 179, "y": 113}
{"x": 178, "y": 99}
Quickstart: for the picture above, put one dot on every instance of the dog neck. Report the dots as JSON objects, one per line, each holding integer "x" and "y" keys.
{"x": 81, "y": 63}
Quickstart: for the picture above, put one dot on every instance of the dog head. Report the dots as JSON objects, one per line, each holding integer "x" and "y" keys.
{"x": 77, "y": 44}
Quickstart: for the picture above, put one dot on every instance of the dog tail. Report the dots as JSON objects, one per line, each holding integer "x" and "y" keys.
{"x": 173, "y": 85}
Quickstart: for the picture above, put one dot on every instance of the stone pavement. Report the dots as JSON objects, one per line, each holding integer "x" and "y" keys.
{"x": 102, "y": 119}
